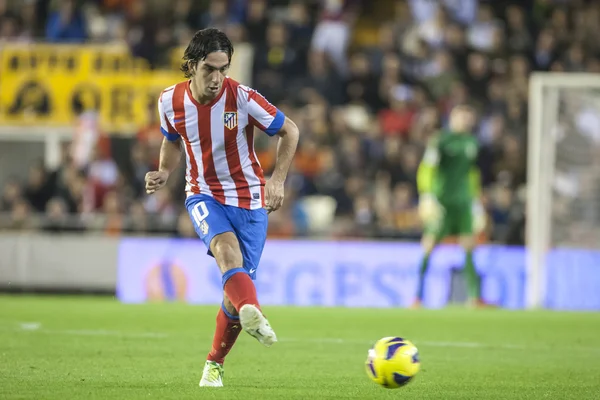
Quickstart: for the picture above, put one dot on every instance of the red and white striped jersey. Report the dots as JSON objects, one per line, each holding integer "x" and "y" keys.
{"x": 218, "y": 139}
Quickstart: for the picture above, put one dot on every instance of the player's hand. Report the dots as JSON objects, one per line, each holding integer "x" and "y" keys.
{"x": 429, "y": 208}
{"x": 273, "y": 195}
{"x": 155, "y": 180}
{"x": 479, "y": 217}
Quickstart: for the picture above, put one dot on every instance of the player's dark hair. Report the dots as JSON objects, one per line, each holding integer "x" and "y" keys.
{"x": 203, "y": 43}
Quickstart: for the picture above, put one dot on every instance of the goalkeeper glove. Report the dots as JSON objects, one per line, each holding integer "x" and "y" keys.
{"x": 479, "y": 217}
{"x": 430, "y": 210}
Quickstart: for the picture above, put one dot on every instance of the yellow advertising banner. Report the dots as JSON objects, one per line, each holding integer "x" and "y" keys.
{"x": 51, "y": 85}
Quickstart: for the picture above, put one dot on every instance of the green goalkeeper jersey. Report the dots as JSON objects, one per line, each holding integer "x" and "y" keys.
{"x": 449, "y": 169}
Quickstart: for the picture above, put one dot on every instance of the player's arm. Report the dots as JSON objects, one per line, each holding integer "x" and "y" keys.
{"x": 273, "y": 122}
{"x": 478, "y": 211}
{"x": 286, "y": 148}
{"x": 475, "y": 182}
{"x": 429, "y": 207}
{"x": 170, "y": 154}
{"x": 428, "y": 168}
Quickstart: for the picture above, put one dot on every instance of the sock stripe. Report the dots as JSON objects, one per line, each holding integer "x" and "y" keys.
{"x": 239, "y": 288}
{"x": 232, "y": 272}
{"x": 229, "y": 315}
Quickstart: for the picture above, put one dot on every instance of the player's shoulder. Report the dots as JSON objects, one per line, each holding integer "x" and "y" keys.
{"x": 241, "y": 89}
{"x": 236, "y": 88}
{"x": 168, "y": 89}
{"x": 172, "y": 87}
{"x": 168, "y": 92}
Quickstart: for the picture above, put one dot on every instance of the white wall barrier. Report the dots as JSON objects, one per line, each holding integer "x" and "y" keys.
{"x": 80, "y": 262}
{"x": 302, "y": 273}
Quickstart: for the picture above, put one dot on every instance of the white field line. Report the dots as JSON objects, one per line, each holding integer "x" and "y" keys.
{"x": 419, "y": 343}
{"x": 37, "y": 328}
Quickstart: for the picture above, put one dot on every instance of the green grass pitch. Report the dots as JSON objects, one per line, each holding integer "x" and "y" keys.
{"x": 96, "y": 348}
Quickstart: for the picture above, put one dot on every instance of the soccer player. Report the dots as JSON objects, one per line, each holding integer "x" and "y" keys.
{"x": 212, "y": 119}
{"x": 448, "y": 181}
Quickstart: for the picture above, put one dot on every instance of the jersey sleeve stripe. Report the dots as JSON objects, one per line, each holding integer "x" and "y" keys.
{"x": 252, "y": 121}
{"x": 165, "y": 106}
{"x": 171, "y": 137}
{"x": 265, "y": 115}
{"x": 170, "y": 128}
{"x": 276, "y": 124}
{"x": 261, "y": 102}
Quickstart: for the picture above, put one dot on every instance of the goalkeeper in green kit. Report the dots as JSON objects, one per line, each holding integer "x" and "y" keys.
{"x": 448, "y": 181}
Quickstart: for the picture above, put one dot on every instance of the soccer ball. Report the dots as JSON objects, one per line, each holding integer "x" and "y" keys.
{"x": 392, "y": 362}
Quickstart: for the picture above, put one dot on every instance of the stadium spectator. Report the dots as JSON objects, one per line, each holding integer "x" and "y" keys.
{"x": 11, "y": 194}
{"x": 66, "y": 23}
{"x": 332, "y": 33}
{"x": 366, "y": 89}
{"x": 275, "y": 62}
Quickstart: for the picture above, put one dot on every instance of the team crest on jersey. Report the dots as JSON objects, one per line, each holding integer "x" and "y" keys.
{"x": 230, "y": 119}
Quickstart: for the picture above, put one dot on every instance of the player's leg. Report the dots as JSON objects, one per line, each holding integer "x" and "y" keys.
{"x": 467, "y": 240}
{"x": 227, "y": 331}
{"x": 237, "y": 284}
{"x": 473, "y": 279}
{"x": 432, "y": 234}
{"x": 251, "y": 230}
{"x": 211, "y": 223}
{"x": 214, "y": 223}
{"x": 428, "y": 242}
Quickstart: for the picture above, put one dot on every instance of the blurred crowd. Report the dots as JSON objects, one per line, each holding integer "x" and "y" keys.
{"x": 367, "y": 82}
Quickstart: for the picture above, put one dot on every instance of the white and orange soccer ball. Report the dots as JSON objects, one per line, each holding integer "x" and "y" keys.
{"x": 392, "y": 362}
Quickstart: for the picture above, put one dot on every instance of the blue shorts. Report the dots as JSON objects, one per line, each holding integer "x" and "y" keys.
{"x": 211, "y": 218}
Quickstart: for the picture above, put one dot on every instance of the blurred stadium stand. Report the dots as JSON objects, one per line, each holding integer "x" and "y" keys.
{"x": 366, "y": 81}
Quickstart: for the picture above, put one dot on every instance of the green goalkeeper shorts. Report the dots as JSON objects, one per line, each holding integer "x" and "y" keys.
{"x": 456, "y": 220}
